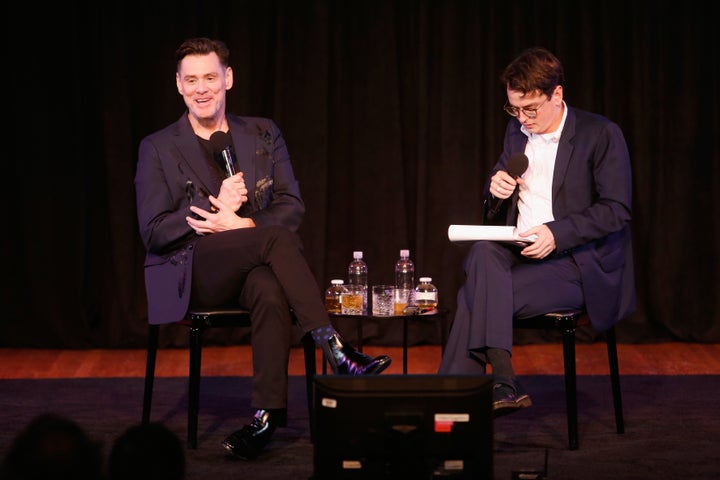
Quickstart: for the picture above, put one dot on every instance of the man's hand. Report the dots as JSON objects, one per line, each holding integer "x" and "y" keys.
{"x": 224, "y": 218}
{"x": 233, "y": 192}
{"x": 543, "y": 246}
{"x": 502, "y": 184}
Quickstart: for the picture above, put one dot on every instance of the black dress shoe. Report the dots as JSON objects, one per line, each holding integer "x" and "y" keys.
{"x": 508, "y": 398}
{"x": 347, "y": 361}
{"x": 248, "y": 442}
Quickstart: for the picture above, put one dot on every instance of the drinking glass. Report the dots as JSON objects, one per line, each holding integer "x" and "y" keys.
{"x": 382, "y": 300}
{"x": 352, "y": 300}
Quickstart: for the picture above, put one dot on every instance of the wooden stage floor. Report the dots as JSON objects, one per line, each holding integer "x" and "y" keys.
{"x": 674, "y": 358}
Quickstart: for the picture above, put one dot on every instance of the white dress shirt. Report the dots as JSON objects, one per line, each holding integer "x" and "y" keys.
{"x": 535, "y": 196}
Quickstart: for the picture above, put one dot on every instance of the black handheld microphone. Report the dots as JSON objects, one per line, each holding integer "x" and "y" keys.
{"x": 516, "y": 166}
{"x": 220, "y": 142}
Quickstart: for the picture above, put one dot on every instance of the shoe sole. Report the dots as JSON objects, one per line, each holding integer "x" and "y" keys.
{"x": 505, "y": 408}
{"x": 523, "y": 401}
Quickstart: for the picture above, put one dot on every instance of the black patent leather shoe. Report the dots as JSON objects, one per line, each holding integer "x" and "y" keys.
{"x": 347, "y": 361}
{"x": 249, "y": 441}
{"x": 508, "y": 398}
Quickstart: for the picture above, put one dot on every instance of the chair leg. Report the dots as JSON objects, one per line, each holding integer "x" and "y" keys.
{"x": 194, "y": 385}
{"x": 405, "y": 345}
{"x": 310, "y": 370}
{"x": 570, "y": 384}
{"x": 153, "y": 333}
{"x": 615, "y": 379}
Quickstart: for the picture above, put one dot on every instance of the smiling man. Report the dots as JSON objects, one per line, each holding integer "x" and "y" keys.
{"x": 216, "y": 238}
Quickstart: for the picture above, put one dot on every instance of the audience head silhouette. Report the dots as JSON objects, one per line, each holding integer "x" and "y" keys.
{"x": 147, "y": 452}
{"x": 52, "y": 446}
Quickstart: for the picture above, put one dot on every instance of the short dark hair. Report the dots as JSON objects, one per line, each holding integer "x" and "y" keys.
{"x": 203, "y": 46}
{"x": 534, "y": 69}
{"x": 53, "y": 446}
{"x": 147, "y": 451}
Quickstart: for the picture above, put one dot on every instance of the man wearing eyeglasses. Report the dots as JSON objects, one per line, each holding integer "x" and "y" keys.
{"x": 574, "y": 199}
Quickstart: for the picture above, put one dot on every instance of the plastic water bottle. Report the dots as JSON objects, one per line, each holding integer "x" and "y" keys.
{"x": 405, "y": 271}
{"x": 333, "y": 296}
{"x": 404, "y": 282}
{"x": 358, "y": 275}
{"x": 426, "y": 295}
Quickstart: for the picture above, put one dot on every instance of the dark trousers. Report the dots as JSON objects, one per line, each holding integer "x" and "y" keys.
{"x": 262, "y": 269}
{"x": 501, "y": 284}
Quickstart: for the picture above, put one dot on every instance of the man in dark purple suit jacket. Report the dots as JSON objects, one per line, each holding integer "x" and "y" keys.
{"x": 574, "y": 199}
{"x": 218, "y": 238}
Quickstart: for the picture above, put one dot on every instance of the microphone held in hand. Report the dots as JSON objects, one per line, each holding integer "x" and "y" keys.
{"x": 222, "y": 151}
{"x": 516, "y": 166}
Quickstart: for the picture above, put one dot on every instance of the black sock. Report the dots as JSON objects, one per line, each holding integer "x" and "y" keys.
{"x": 480, "y": 356}
{"x": 321, "y": 336}
{"x": 501, "y": 366}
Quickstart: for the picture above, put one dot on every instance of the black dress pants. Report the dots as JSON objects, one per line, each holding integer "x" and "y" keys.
{"x": 262, "y": 269}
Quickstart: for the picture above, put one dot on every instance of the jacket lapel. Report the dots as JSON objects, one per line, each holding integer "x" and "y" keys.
{"x": 565, "y": 149}
{"x": 244, "y": 144}
{"x": 191, "y": 155}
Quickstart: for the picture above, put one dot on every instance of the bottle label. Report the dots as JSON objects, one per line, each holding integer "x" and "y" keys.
{"x": 425, "y": 296}
{"x": 333, "y": 304}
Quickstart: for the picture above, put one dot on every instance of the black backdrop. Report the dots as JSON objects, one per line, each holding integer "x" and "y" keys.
{"x": 392, "y": 111}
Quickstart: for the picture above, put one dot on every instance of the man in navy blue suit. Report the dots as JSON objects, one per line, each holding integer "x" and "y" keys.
{"x": 217, "y": 238}
{"x": 574, "y": 200}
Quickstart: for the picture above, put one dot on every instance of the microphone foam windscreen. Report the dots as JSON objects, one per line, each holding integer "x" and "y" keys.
{"x": 517, "y": 164}
{"x": 219, "y": 141}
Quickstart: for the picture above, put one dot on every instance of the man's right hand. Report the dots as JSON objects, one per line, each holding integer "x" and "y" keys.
{"x": 233, "y": 191}
{"x": 502, "y": 184}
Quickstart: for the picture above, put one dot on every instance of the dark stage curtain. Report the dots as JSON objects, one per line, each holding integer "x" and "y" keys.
{"x": 392, "y": 111}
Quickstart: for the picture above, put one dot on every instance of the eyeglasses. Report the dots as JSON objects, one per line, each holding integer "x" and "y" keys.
{"x": 529, "y": 112}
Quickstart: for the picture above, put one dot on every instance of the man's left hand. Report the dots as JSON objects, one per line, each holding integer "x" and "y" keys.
{"x": 221, "y": 219}
{"x": 543, "y": 246}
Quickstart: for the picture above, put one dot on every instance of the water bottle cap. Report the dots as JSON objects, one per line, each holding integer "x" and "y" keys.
{"x": 426, "y": 279}
{"x": 404, "y": 253}
{"x": 357, "y": 255}
{"x": 337, "y": 281}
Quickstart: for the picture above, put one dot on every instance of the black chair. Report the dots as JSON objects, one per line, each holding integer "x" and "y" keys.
{"x": 198, "y": 321}
{"x": 566, "y": 323}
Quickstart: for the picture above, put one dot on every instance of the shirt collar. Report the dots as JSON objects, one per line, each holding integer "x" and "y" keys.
{"x": 547, "y": 138}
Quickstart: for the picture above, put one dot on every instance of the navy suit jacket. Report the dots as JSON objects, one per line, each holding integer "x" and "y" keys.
{"x": 591, "y": 201}
{"x": 172, "y": 174}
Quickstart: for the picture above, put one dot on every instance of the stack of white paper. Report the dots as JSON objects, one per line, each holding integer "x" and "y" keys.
{"x": 463, "y": 233}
